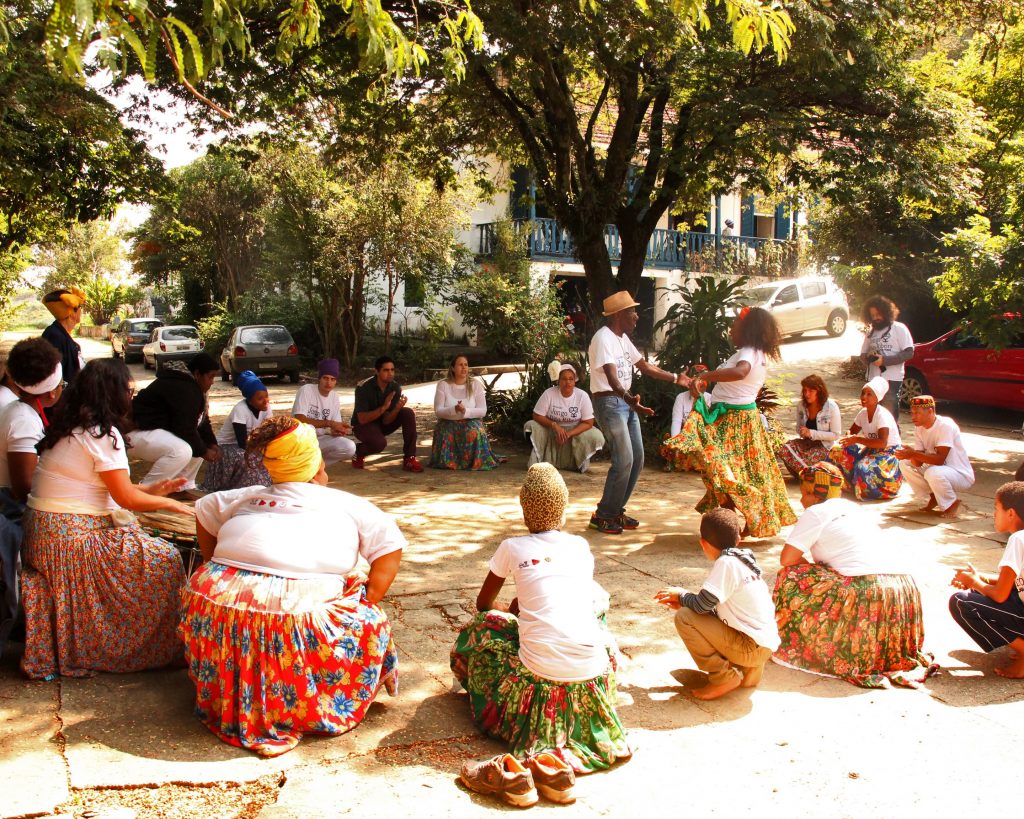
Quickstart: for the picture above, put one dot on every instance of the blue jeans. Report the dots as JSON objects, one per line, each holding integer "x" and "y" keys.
{"x": 621, "y": 428}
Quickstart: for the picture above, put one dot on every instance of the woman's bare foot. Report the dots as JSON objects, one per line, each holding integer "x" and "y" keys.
{"x": 752, "y": 676}
{"x": 930, "y": 506}
{"x": 713, "y": 692}
{"x": 1012, "y": 671}
{"x": 952, "y": 512}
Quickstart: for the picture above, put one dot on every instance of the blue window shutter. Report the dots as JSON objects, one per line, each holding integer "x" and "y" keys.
{"x": 782, "y": 220}
{"x": 747, "y": 222}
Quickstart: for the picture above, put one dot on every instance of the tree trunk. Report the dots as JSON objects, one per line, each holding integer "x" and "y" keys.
{"x": 390, "y": 309}
{"x": 592, "y": 252}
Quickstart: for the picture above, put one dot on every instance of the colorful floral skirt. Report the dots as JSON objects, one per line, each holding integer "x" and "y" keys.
{"x": 273, "y": 658}
{"x": 865, "y": 630}
{"x": 234, "y": 470}
{"x": 461, "y": 445}
{"x": 737, "y": 461}
{"x": 872, "y": 474}
{"x": 574, "y": 454}
{"x": 97, "y": 597}
{"x": 574, "y": 720}
{"x": 800, "y": 453}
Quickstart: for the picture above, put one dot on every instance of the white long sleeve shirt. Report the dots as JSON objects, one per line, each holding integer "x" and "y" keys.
{"x": 448, "y": 395}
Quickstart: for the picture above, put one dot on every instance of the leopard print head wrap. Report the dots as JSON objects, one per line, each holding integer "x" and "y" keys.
{"x": 543, "y": 497}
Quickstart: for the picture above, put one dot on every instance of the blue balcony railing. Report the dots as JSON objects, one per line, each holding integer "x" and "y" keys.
{"x": 669, "y": 249}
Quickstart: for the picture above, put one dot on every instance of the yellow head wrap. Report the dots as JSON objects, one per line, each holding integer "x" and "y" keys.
{"x": 293, "y": 456}
{"x": 824, "y": 479}
{"x": 543, "y": 497}
{"x": 60, "y": 303}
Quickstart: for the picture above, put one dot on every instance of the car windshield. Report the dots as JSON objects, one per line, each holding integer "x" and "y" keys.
{"x": 180, "y": 333}
{"x": 264, "y": 335}
{"x": 142, "y": 326}
{"x": 758, "y": 295}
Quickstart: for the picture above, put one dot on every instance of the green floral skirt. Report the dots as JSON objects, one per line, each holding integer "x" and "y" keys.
{"x": 574, "y": 720}
{"x": 866, "y": 630}
{"x": 461, "y": 445}
{"x": 736, "y": 460}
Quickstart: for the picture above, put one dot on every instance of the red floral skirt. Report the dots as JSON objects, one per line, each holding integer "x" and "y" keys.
{"x": 273, "y": 658}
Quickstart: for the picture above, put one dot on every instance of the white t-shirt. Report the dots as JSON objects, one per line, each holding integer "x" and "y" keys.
{"x": 681, "y": 407}
{"x": 559, "y": 636}
{"x": 744, "y": 602}
{"x": 882, "y": 420}
{"x": 839, "y": 534}
{"x": 296, "y": 529}
{"x": 241, "y": 414}
{"x": 945, "y": 432}
{"x": 888, "y": 341}
{"x": 566, "y": 412}
{"x": 21, "y": 428}
{"x": 446, "y": 396}
{"x": 70, "y": 470}
{"x": 309, "y": 402}
{"x": 608, "y": 348}
{"x": 1013, "y": 556}
{"x": 746, "y": 389}
{"x": 7, "y": 395}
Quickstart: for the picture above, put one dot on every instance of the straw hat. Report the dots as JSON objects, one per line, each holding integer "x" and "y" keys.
{"x": 617, "y": 302}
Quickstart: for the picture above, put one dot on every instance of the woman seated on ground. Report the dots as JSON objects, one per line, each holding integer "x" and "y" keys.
{"x": 818, "y": 425}
{"x": 562, "y": 430}
{"x": 99, "y": 593}
{"x": 541, "y": 676}
{"x": 867, "y": 456}
{"x": 36, "y": 363}
{"x": 850, "y": 613}
{"x": 236, "y": 468}
{"x": 725, "y": 436}
{"x": 283, "y": 636}
{"x": 460, "y": 440}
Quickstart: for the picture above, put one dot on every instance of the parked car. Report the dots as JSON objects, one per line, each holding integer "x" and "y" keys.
{"x": 802, "y": 305}
{"x": 177, "y": 338}
{"x": 957, "y": 366}
{"x": 266, "y": 349}
{"x": 131, "y": 336}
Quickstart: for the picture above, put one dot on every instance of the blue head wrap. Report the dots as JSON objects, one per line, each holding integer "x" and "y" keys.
{"x": 249, "y": 383}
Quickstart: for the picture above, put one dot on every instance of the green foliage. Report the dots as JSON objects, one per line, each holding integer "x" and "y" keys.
{"x": 697, "y": 323}
{"x": 514, "y": 316}
{"x": 11, "y": 267}
{"x": 64, "y": 154}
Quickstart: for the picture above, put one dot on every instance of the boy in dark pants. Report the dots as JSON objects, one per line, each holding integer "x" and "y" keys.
{"x": 991, "y": 608}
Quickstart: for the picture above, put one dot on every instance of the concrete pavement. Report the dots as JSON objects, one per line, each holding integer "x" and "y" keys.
{"x": 798, "y": 744}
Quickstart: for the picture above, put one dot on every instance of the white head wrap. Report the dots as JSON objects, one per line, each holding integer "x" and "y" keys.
{"x": 879, "y": 386}
{"x": 48, "y": 384}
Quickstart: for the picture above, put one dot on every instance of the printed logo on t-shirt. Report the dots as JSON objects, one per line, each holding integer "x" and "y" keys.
{"x": 574, "y": 411}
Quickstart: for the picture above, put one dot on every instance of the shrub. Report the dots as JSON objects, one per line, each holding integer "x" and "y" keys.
{"x": 697, "y": 327}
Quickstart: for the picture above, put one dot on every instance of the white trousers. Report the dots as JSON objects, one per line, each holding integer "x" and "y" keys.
{"x": 940, "y": 481}
{"x": 171, "y": 456}
{"x": 336, "y": 448}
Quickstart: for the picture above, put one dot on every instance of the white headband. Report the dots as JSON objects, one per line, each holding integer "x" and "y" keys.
{"x": 48, "y": 384}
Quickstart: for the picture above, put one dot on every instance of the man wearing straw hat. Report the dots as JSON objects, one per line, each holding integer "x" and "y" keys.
{"x": 612, "y": 358}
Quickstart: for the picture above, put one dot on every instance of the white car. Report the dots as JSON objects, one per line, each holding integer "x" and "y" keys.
{"x": 802, "y": 305}
{"x": 178, "y": 338}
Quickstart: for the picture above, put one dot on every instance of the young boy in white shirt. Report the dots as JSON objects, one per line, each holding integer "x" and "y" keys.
{"x": 991, "y": 607}
{"x": 730, "y": 623}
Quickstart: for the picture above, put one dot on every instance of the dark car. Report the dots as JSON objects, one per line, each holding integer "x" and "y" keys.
{"x": 266, "y": 349}
{"x": 957, "y": 366}
{"x": 131, "y": 336}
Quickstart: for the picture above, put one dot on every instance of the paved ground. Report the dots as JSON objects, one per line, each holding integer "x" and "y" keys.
{"x": 796, "y": 745}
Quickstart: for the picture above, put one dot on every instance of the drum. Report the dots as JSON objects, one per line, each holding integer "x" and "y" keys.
{"x": 177, "y": 529}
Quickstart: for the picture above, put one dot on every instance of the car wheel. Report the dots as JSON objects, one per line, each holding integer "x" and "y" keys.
{"x": 293, "y": 376}
{"x": 836, "y": 324}
{"x": 224, "y": 374}
{"x": 913, "y": 386}
{"x": 145, "y": 364}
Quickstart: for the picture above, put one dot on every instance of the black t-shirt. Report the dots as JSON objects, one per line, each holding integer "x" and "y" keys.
{"x": 369, "y": 396}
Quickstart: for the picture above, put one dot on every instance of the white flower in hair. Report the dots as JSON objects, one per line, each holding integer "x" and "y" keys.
{"x": 554, "y": 368}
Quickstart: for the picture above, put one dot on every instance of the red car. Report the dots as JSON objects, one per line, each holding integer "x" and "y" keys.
{"x": 958, "y": 367}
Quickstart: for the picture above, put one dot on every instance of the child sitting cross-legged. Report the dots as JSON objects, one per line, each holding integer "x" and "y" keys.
{"x": 991, "y": 608}
{"x": 730, "y": 623}
{"x": 540, "y": 675}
